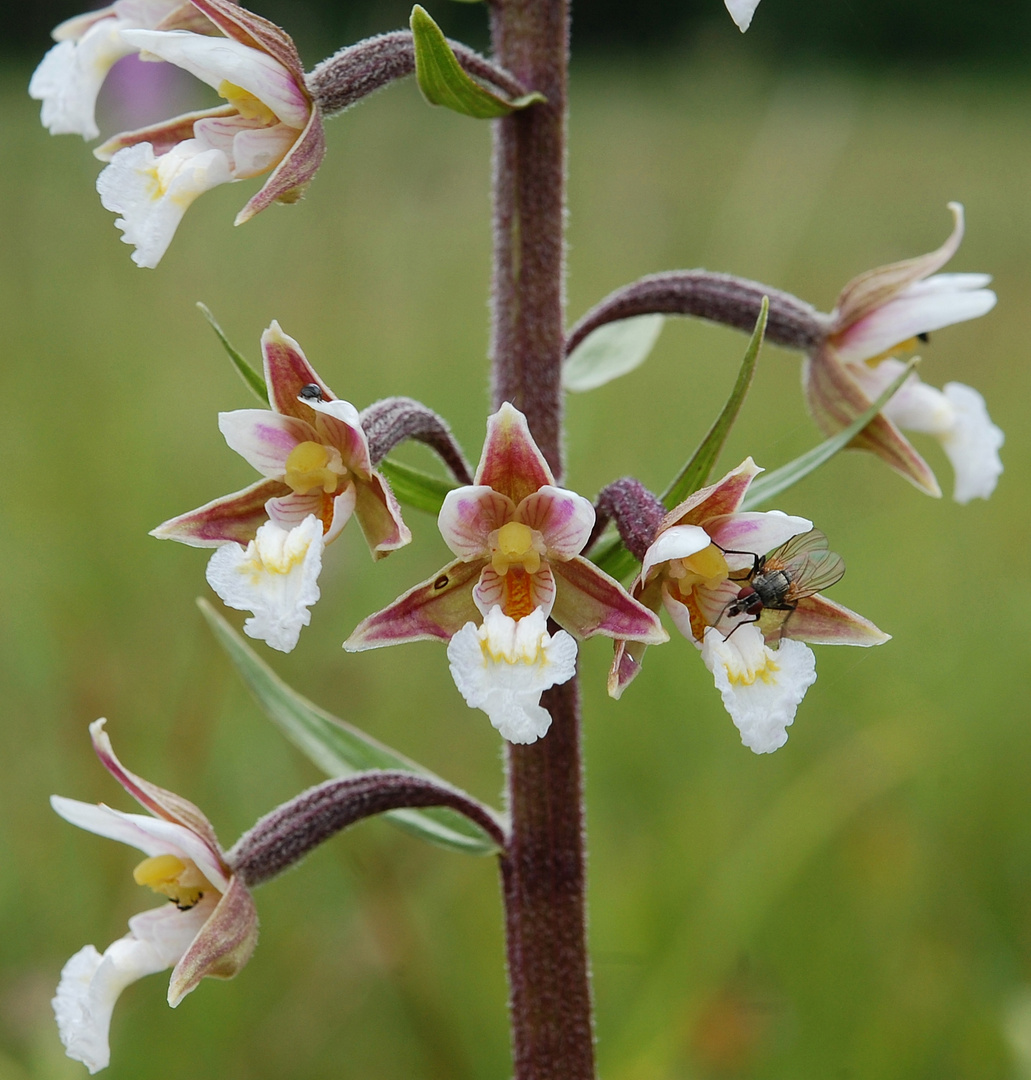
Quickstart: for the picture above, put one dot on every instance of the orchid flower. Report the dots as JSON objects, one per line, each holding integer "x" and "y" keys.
{"x": 316, "y": 472}
{"x": 71, "y": 74}
{"x": 695, "y": 569}
{"x": 741, "y": 11}
{"x": 270, "y": 124}
{"x": 210, "y": 926}
{"x": 517, "y": 538}
{"x": 885, "y": 311}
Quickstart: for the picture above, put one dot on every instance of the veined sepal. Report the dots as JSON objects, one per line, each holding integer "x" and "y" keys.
{"x": 443, "y": 81}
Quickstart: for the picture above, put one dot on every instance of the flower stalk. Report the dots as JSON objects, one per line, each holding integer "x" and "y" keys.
{"x": 543, "y": 872}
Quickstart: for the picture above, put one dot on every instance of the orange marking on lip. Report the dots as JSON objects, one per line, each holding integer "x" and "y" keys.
{"x": 518, "y": 585}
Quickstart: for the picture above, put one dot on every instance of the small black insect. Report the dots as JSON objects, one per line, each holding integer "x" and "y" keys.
{"x": 311, "y": 392}
{"x": 925, "y": 337}
{"x": 777, "y": 581}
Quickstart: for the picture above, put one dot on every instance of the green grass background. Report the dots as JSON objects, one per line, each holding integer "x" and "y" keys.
{"x": 857, "y": 905}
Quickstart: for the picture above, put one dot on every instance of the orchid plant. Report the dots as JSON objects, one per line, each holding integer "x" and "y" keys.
{"x": 537, "y": 567}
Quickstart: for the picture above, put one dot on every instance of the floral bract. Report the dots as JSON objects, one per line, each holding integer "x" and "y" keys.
{"x": 317, "y": 472}
{"x": 885, "y": 311}
{"x": 210, "y": 926}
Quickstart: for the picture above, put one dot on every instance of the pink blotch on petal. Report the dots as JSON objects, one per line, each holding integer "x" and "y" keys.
{"x": 469, "y": 515}
{"x": 233, "y": 518}
{"x": 563, "y": 518}
{"x": 590, "y": 602}
{"x": 264, "y": 439}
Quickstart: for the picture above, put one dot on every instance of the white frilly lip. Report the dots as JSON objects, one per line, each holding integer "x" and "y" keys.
{"x": 761, "y": 688}
{"x": 275, "y": 577}
{"x": 91, "y": 983}
{"x": 503, "y": 667}
{"x": 956, "y": 416}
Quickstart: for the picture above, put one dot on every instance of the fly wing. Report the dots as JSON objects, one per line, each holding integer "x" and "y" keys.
{"x": 814, "y": 572}
{"x": 797, "y": 546}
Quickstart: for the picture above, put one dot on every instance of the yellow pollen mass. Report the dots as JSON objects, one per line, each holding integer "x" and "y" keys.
{"x": 246, "y": 104}
{"x": 746, "y": 676}
{"x": 514, "y": 547}
{"x": 706, "y": 567}
{"x": 309, "y": 468}
{"x": 170, "y": 876}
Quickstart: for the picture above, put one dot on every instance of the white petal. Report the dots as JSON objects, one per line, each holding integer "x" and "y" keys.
{"x": 761, "y": 689}
{"x": 90, "y": 983}
{"x": 215, "y": 60}
{"x": 153, "y": 193}
{"x": 504, "y": 666}
{"x": 972, "y": 445}
{"x": 275, "y": 577}
{"x": 741, "y": 11}
{"x": 71, "y": 74}
{"x": 678, "y": 542}
{"x": 926, "y": 306}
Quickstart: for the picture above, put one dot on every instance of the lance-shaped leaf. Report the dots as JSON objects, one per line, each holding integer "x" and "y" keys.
{"x": 773, "y": 483}
{"x": 615, "y": 349}
{"x": 340, "y": 749}
{"x": 415, "y": 488}
{"x": 443, "y": 81}
{"x": 252, "y": 377}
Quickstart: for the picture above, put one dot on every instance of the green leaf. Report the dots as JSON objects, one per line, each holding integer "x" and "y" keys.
{"x": 252, "y": 378}
{"x": 695, "y": 473}
{"x": 443, "y": 80}
{"x": 765, "y": 487}
{"x": 414, "y": 487}
{"x": 614, "y": 349}
{"x": 340, "y": 749}
{"x": 612, "y": 557}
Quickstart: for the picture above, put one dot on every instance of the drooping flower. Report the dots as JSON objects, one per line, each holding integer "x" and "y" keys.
{"x": 71, "y": 74}
{"x": 703, "y": 554}
{"x": 886, "y": 311}
{"x": 741, "y": 11}
{"x": 518, "y": 539}
{"x": 209, "y": 927}
{"x": 270, "y": 124}
{"x": 317, "y": 472}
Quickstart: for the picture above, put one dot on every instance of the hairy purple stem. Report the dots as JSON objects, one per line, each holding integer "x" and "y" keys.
{"x": 284, "y": 836}
{"x": 389, "y": 422}
{"x": 543, "y": 871}
{"x": 362, "y": 69}
{"x": 719, "y": 298}
{"x": 637, "y": 513}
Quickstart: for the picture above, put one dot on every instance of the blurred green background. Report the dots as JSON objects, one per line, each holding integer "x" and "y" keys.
{"x": 857, "y": 905}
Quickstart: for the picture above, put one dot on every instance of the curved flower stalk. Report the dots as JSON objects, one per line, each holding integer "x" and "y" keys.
{"x": 210, "y": 926}
{"x": 69, "y": 77}
{"x": 316, "y": 473}
{"x": 270, "y": 124}
{"x": 885, "y": 311}
{"x": 517, "y": 538}
{"x": 694, "y": 569}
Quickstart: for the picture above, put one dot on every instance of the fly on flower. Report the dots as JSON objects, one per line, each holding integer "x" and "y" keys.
{"x": 777, "y": 582}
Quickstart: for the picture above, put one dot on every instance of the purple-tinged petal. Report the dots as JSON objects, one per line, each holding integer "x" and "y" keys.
{"x": 626, "y": 664}
{"x": 511, "y": 462}
{"x": 835, "y": 399}
{"x": 340, "y": 425}
{"x": 563, "y": 518}
{"x": 250, "y": 29}
{"x": 517, "y": 593}
{"x": 162, "y": 137}
{"x": 822, "y": 622}
{"x": 164, "y": 804}
{"x": 723, "y": 497}
{"x": 590, "y": 602}
{"x": 684, "y": 613}
{"x": 291, "y": 509}
{"x": 433, "y": 611}
{"x": 287, "y": 372}
{"x": 469, "y": 515}
{"x": 232, "y": 518}
{"x": 218, "y": 60}
{"x": 876, "y": 287}
{"x": 677, "y": 542}
{"x": 379, "y": 516}
{"x": 264, "y": 439}
{"x": 292, "y": 175}
{"x": 223, "y": 945}
{"x": 758, "y": 532}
